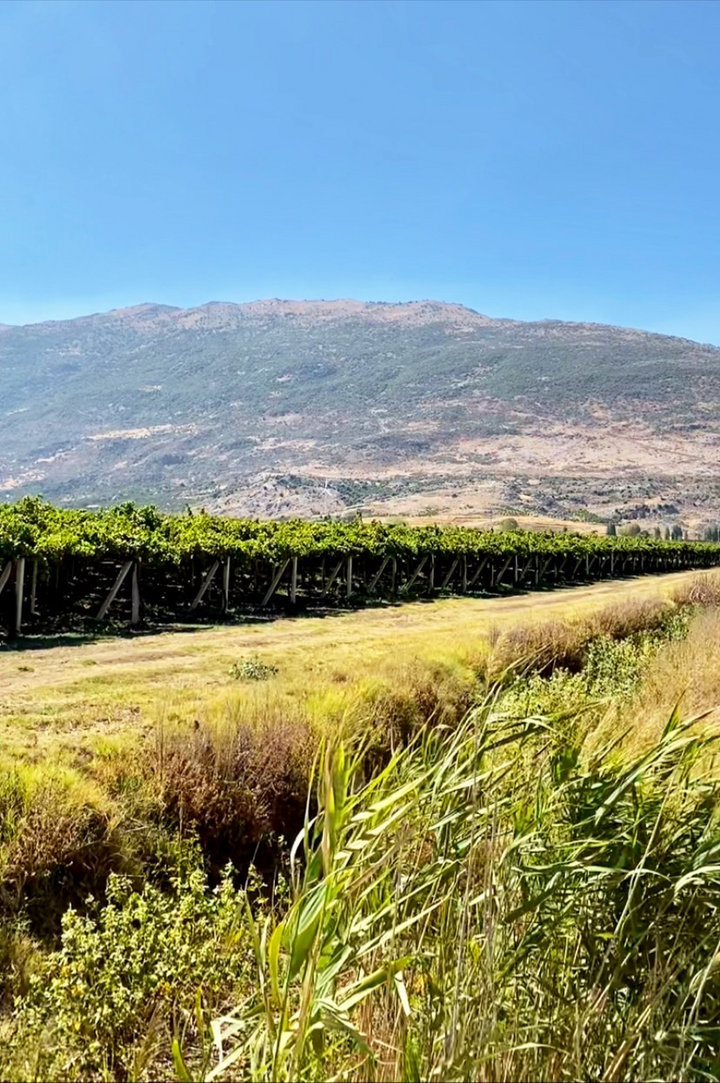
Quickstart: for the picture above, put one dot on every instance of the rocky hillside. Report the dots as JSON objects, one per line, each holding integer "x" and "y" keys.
{"x": 308, "y": 406}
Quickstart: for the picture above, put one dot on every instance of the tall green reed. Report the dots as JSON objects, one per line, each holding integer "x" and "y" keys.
{"x": 493, "y": 905}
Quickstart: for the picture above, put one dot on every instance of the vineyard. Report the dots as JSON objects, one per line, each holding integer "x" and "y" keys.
{"x": 65, "y": 567}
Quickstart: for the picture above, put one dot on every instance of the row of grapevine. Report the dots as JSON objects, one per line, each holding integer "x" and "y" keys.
{"x": 58, "y": 565}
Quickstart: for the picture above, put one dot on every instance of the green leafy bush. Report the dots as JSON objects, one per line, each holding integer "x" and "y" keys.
{"x": 252, "y": 669}
{"x": 147, "y": 963}
{"x": 604, "y": 667}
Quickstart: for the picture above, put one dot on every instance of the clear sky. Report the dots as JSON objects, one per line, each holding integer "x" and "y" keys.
{"x": 541, "y": 159}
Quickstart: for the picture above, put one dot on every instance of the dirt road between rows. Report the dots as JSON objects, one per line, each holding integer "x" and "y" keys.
{"x": 28, "y": 667}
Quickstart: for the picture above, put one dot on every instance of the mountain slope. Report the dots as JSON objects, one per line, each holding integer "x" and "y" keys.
{"x": 212, "y": 403}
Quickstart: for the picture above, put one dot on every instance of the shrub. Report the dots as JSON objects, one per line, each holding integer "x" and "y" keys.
{"x": 418, "y": 693}
{"x": 544, "y": 647}
{"x": 252, "y": 669}
{"x": 237, "y": 785}
{"x": 621, "y": 619}
{"x": 108, "y": 998}
{"x": 540, "y": 647}
{"x": 702, "y": 590}
{"x": 57, "y": 838}
{"x": 611, "y": 668}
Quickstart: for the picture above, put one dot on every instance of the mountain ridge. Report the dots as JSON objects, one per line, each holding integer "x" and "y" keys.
{"x": 343, "y": 306}
{"x": 214, "y": 403}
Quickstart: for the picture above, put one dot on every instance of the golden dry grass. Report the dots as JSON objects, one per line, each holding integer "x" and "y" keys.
{"x": 483, "y": 521}
{"x": 685, "y": 675}
{"x": 64, "y": 701}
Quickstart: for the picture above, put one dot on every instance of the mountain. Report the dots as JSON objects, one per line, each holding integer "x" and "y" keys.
{"x": 281, "y": 406}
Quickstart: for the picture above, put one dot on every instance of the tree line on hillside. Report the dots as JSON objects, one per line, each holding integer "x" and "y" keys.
{"x": 710, "y": 533}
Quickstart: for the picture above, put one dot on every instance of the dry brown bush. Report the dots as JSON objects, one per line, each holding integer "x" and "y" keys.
{"x": 621, "y": 619}
{"x": 237, "y": 785}
{"x": 540, "y": 648}
{"x": 544, "y": 646}
{"x": 420, "y": 692}
{"x": 703, "y": 590}
{"x": 57, "y": 843}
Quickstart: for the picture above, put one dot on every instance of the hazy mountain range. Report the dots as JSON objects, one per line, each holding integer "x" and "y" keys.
{"x": 281, "y": 406}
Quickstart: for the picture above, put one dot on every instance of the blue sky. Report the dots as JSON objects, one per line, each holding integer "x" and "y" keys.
{"x": 532, "y": 159}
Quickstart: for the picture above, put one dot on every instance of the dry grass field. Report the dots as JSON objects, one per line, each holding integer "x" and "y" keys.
{"x": 62, "y": 699}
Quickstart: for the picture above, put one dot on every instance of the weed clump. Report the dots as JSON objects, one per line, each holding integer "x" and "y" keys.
{"x": 252, "y": 669}
{"x": 57, "y": 838}
{"x": 417, "y": 694}
{"x": 544, "y": 647}
{"x": 539, "y": 648}
{"x": 622, "y": 619}
{"x": 236, "y": 785}
{"x": 703, "y": 590}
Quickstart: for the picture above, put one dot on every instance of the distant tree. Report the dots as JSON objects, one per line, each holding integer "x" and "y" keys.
{"x": 632, "y": 530}
{"x": 677, "y": 532}
{"x": 509, "y": 524}
{"x": 612, "y": 530}
{"x": 657, "y": 533}
{"x": 666, "y": 535}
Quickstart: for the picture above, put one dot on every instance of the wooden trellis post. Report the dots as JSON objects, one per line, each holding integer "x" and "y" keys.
{"x": 478, "y": 570}
{"x": 332, "y": 577}
{"x": 5, "y": 575}
{"x": 502, "y": 571}
{"x": 376, "y": 578}
{"x": 207, "y": 580}
{"x": 293, "y": 580}
{"x": 112, "y": 593}
{"x": 348, "y": 582}
{"x": 450, "y": 574}
{"x": 226, "y": 585}
{"x": 526, "y": 569}
{"x": 416, "y": 573}
{"x": 33, "y": 589}
{"x": 19, "y": 588}
{"x": 275, "y": 582}
{"x": 135, "y": 610}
